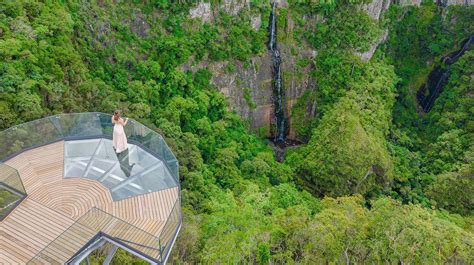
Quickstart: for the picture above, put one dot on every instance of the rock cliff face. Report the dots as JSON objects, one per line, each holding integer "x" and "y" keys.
{"x": 408, "y": 2}
{"x": 439, "y": 2}
{"x": 249, "y": 90}
{"x": 233, "y": 7}
{"x": 365, "y": 56}
{"x": 456, "y": 2}
{"x": 249, "y": 86}
{"x": 202, "y": 11}
{"x": 376, "y": 8}
{"x": 297, "y": 79}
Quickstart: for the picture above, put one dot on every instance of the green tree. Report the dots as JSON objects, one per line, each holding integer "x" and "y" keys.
{"x": 451, "y": 190}
{"x": 342, "y": 157}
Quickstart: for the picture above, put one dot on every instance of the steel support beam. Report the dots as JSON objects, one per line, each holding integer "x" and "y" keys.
{"x": 110, "y": 256}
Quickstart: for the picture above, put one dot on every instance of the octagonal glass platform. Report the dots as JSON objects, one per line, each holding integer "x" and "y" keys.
{"x": 63, "y": 173}
{"x": 130, "y": 173}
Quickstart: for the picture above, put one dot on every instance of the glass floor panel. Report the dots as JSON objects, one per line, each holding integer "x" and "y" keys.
{"x": 129, "y": 173}
{"x": 83, "y": 148}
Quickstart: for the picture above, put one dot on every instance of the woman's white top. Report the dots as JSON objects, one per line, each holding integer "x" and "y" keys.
{"x": 119, "y": 138}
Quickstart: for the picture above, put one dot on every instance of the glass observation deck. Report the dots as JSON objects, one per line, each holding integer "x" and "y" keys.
{"x": 130, "y": 173}
{"x": 63, "y": 171}
{"x": 82, "y": 126}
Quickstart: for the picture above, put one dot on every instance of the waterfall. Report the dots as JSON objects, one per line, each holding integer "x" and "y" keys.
{"x": 439, "y": 77}
{"x": 278, "y": 93}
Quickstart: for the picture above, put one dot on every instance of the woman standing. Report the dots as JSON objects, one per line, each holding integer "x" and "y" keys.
{"x": 119, "y": 138}
{"x": 119, "y": 142}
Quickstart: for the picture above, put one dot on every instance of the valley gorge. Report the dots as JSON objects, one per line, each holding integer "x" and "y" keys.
{"x": 249, "y": 86}
{"x": 304, "y": 132}
{"x": 438, "y": 78}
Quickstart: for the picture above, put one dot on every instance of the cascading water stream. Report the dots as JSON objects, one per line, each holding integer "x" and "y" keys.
{"x": 439, "y": 77}
{"x": 278, "y": 93}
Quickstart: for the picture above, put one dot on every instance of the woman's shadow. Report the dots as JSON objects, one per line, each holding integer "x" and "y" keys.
{"x": 124, "y": 160}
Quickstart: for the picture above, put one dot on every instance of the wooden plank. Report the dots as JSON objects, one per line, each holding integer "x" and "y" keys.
{"x": 15, "y": 249}
{"x": 8, "y": 258}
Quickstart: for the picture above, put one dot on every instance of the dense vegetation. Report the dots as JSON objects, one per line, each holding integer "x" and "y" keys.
{"x": 377, "y": 182}
{"x": 432, "y": 146}
{"x": 7, "y": 200}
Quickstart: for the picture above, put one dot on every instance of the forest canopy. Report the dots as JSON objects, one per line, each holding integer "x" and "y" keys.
{"x": 378, "y": 180}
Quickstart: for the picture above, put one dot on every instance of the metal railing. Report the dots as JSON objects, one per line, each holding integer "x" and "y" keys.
{"x": 77, "y": 126}
{"x": 170, "y": 230}
{"x": 12, "y": 191}
{"x": 96, "y": 221}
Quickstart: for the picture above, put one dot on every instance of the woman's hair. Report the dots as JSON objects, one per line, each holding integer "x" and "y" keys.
{"x": 117, "y": 115}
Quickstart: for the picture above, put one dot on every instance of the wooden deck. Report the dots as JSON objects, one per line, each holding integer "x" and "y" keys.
{"x": 55, "y": 203}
